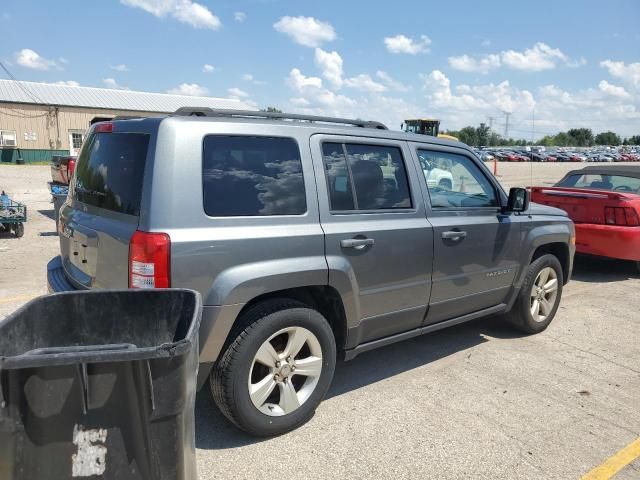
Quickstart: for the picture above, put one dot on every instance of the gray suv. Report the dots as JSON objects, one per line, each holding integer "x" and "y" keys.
{"x": 307, "y": 237}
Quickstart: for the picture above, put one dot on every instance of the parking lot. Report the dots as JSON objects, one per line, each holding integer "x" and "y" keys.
{"x": 473, "y": 401}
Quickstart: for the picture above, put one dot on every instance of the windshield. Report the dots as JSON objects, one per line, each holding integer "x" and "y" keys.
{"x": 601, "y": 181}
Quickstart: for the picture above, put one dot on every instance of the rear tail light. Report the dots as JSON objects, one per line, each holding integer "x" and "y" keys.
{"x": 71, "y": 166}
{"x": 149, "y": 260}
{"x": 625, "y": 216}
{"x": 103, "y": 127}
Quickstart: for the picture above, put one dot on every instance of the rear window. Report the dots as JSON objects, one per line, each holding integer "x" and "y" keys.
{"x": 252, "y": 176}
{"x": 613, "y": 183}
{"x": 110, "y": 170}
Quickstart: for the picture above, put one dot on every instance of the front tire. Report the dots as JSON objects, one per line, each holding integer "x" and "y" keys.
{"x": 539, "y": 296}
{"x": 277, "y": 368}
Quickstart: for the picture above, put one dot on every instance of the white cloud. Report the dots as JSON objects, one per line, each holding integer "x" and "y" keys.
{"x": 207, "y": 68}
{"x": 540, "y": 57}
{"x": 364, "y": 82}
{"x": 613, "y": 90}
{"x": 68, "y": 83}
{"x": 535, "y": 59}
{"x": 247, "y": 77}
{"x": 330, "y": 63}
{"x": 185, "y": 11}
{"x": 237, "y": 93}
{"x": 239, "y": 16}
{"x": 486, "y": 43}
{"x": 580, "y": 62}
{"x": 392, "y": 83}
{"x": 111, "y": 83}
{"x": 119, "y": 68}
{"x": 63, "y": 60}
{"x": 306, "y": 31}
{"x": 602, "y": 107}
{"x": 30, "y": 59}
{"x": 297, "y": 81}
{"x": 191, "y": 89}
{"x": 465, "y": 63}
{"x": 629, "y": 73}
{"x": 404, "y": 44}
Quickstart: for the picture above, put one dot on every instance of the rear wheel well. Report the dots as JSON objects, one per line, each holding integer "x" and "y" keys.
{"x": 560, "y": 251}
{"x": 323, "y": 298}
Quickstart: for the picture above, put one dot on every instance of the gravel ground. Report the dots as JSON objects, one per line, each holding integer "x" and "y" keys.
{"x": 473, "y": 401}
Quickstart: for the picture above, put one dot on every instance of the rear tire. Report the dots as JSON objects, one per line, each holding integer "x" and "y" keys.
{"x": 539, "y": 296}
{"x": 18, "y": 230}
{"x": 255, "y": 383}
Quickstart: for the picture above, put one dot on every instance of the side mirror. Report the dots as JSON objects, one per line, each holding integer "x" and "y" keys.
{"x": 519, "y": 199}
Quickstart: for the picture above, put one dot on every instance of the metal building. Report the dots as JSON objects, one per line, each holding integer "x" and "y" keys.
{"x": 38, "y": 120}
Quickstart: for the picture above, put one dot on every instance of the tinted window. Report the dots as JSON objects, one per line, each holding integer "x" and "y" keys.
{"x": 376, "y": 172}
{"x": 252, "y": 176}
{"x": 455, "y": 181}
{"x": 110, "y": 171}
{"x": 338, "y": 180}
{"x": 618, "y": 183}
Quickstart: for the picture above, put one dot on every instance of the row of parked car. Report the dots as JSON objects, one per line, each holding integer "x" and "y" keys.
{"x": 540, "y": 154}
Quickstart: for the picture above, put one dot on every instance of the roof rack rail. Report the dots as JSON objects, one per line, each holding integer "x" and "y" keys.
{"x": 211, "y": 112}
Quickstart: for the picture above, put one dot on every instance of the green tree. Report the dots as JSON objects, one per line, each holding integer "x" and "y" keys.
{"x": 468, "y": 135}
{"x": 271, "y": 110}
{"x": 547, "y": 141}
{"x": 581, "y": 137}
{"x": 608, "y": 138}
{"x": 635, "y": 140}
{"x": 562, "y": 139}
{"x": 483, "y": 133}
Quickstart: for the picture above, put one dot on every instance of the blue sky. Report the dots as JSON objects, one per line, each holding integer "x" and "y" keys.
{"x": 564, "y": 63}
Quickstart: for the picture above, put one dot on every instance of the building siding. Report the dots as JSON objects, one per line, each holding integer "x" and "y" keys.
{"x": 51, "y": 126}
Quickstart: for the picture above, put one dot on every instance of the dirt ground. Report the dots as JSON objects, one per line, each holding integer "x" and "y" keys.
{"x": 473, "y": 401}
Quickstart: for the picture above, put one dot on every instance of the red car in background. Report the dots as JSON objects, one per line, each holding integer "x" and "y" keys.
{"x": 604, "y": 204}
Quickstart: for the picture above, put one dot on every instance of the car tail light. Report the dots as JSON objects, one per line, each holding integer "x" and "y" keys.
{"x": 71, "y": 166}
{"x": 149, "y": 260}
{"x": 103, "y": 127}
{"x": 626, "y": 216}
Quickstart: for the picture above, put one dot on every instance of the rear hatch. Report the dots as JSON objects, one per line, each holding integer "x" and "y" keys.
{"x": 103, "y": 209}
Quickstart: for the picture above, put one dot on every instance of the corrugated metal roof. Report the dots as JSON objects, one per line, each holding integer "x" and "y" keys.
{"x": 49, "y": 94}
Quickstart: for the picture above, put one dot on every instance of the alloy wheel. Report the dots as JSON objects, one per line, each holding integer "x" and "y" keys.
{"x": 544, "y": 294}
{"x": 285, "y": 371}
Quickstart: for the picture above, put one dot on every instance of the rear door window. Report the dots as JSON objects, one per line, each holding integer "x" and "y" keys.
{"x": 252, "y": 176}
{"x": 110, "y": 170}
{"x": 376, "y": 173}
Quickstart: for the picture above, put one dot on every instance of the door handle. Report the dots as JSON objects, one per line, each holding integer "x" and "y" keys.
{"x": 357, "y": 243}
{"x": 454, "y": 235}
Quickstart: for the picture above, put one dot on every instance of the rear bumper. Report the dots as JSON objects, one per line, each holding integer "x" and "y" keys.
{"x": 214, "y": 328}
{"x": 608, "y": 241}
{"x": 56, "y": 279}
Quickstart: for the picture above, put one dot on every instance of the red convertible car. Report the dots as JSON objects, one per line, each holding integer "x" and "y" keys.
{"x": 604, "y": 203}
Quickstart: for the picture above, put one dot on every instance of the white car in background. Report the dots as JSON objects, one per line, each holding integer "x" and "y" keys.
{"x": 437, "y": 173}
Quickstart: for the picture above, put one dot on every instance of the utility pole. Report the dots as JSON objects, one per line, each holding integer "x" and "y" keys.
{"x": 506, "y": 124}
{"x": 533, "y": 125}
{"x": 491, "y": 119}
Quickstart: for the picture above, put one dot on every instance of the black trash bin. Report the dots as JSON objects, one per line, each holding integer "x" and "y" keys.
{"x": 100, "y": 384}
